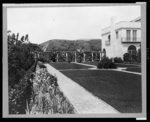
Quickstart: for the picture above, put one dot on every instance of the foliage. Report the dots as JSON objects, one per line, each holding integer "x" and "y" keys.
{"x": 139, "y": 55}
{"x": 43, "y": 59}
{"x": 133, "y": 55}
{"x": 70, "y": 57}
{"x": 71, "y": 45}
{"x": 47, "y": 97}
{"x": 61, "y": 57}
{"x": 106, "y": 63}
{"x": 134, "y": 58}
{"x": 20, "y": 93}
{"x": 105, "y": 59}
{"x": 126, "y": 57}
{"x": 130, "y": 58}
{"x": 79, "y": 56}
{"x": 118, "y": 60}
{"x": 20, "y": 57}
{"x": 20, "y": 60}
{"x": 100, "y": 65}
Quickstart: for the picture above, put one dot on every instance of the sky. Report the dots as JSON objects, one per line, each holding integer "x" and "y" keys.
{"x": 45, "y": 23}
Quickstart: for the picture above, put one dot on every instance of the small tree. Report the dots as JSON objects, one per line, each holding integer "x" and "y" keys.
{"x": 20, "y": 57}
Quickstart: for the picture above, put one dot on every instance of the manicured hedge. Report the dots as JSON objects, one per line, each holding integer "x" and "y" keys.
{"x": 118, "y": 60}
{"x": 106, "y": 63}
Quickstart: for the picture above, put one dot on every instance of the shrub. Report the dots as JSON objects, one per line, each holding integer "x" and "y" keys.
{"x": 134, "y": 58}
{"x": 139, "y": 55}
{"x": 112, "y": 65}
{"x": 105, "y": 59}
{"x": 69, "y": 61}
{"x": 70, "y": 57}
{"x": 130, "y": 58}
{"x": 43, "y": 59}
{"x": 100, "y": 65}
{"x": 20, "y": 93}
{"x": 106, "y": 63}
{"x": 79, "y": 57}
{"x": 126, "y": 57}
{"x": 118, "y": 60}
{"x": 20, "y": 57}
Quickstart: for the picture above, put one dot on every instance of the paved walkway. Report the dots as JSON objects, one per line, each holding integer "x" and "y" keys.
{"x": 82, "y": 100}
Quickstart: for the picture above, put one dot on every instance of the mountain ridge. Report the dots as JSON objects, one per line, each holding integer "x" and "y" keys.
{"x": 71, "y": 45}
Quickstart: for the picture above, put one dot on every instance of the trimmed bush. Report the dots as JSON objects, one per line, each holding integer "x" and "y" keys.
{"x": 130, "y": 58}
{"x": 106, "y": 63}
{"x": 134, "y": 58}
{"x": 100, "y": 65}
{"x": 112, "y": 65}
{"x": 126, "y": 57}
{"x": 105, "y": 59}
{"x": 118, "y": 60}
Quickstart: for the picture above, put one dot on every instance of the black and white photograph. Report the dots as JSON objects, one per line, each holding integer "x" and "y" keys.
{"x": 74, "y": 60}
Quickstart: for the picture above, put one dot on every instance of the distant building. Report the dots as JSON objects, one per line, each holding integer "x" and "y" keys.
{"x": 121, "y": 37}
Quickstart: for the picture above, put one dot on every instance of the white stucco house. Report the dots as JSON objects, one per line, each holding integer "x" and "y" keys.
{"x": 121, "y": 37}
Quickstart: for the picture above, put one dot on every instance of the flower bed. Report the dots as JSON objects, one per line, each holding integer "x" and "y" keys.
{"x": 47, "y": 97}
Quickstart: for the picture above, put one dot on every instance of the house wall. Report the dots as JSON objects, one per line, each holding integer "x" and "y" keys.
{"x": 107, "y": 47}
{"x": 116, "y": 47}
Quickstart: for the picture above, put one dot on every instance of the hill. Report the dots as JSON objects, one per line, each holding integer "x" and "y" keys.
{"x": 71, "y": 45}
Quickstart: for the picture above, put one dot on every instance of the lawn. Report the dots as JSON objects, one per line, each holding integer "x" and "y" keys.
{"x": 120, "y": 90}
{"x": 130, "y": 67}
{"x": 127, "y": 65}
{"x": 64, "y": 65}
{"x": 92, "y": 63}
{"x": 134, "y": 69}
{"x": 118, "y": 64}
